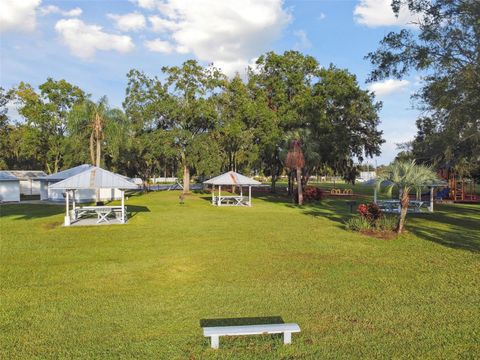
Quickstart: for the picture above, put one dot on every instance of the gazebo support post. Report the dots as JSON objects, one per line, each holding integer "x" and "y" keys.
{"x": 123, "y": 206}
{"x": 213, "y": 194}
{"x": 249, "y": 196}
{"x": 73, "y": 205}
{"x": 430, "y": 208}
{"x": 374, "y": 195}
{"x": 67, "y": 214}
{"x": 219, "y": 195}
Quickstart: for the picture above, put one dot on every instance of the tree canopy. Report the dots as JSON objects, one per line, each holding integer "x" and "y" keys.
{"x": 444, "y": 48}
{"x": 191, "y": 120}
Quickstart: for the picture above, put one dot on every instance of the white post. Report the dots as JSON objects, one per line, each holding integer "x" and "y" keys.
{"x": 241, "y": 191}
{"x": 287, "y": 337}
{"x": 219, "y": 202}
{"x": 249, "y": 196}
{"x": 73, "y": 205}
{"x": 123, "y": 206}
{"x": 374, "y": 195}
{"x": 67, "y": 215}
{"x": 430, "y": 208}
{"x": 213, "y": 194}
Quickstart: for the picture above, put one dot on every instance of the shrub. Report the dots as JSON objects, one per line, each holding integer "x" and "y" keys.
{"x": 358, "y": 223}
{"x": 386, "y": 223}
{"x": 310, "y": 193}
{"x": 371, "y": 219}
{"x": 370, "y": 211}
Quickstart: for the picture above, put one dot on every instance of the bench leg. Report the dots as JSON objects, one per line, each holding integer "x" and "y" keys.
{"x": 215, "y": 340}
{"x": 287, "y": 337}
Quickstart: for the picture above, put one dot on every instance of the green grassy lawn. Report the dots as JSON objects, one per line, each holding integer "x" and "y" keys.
{"x": 140, "y": 290}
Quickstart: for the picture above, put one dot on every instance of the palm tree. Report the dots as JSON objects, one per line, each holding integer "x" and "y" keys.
{"x": 405, "y": 176}
{"x": 296, "y": 161}
{"x": 98, "y": 122}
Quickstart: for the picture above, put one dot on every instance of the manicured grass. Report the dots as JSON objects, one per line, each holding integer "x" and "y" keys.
{"x": 140, "y": 290}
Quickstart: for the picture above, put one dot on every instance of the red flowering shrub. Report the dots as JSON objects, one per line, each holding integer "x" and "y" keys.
{"x": 371, "y": 212}
{"x": 310, "y": 193}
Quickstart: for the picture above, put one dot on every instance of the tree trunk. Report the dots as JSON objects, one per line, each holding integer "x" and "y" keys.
{"x": 92, "y": 148}
{"x": 299, "y": 186}
{"x": 403, "y": 212}
{"x": 186, "y": 179}
{"x": 97, "y": 164}
{"x": 290, "y": 184}
{"x": 274, "y": 182}
{"x": 99, "y": 152}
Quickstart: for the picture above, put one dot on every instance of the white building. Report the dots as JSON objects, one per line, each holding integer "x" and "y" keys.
{"x": 83, "y": 195}
{"x": 29, "y": 181}
{"x": 9, "y": 187}
{"x": 366, "y": 176}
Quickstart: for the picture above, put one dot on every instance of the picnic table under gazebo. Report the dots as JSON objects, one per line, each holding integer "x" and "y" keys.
{"x": 235, "y": 179}
{"x": 94, "y": 178}
{"x": 394, "y": 204}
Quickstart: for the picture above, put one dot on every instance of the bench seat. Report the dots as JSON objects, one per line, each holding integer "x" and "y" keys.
{"x": 215, "y": 332}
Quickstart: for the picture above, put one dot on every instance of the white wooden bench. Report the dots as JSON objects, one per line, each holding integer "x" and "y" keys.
{"x": 214, "y": 333}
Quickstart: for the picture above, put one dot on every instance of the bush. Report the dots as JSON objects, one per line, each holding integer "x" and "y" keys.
{"x": 310, "y": 193}
{"x": 386, "y": 223}
{"x": 371, "y": 219}
{"x": 358, "y": 223}
{"x": 370, "y": 211}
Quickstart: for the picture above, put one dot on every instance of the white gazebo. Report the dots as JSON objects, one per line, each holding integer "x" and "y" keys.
{"x": 232, "y": 178}
{"x": 94, "y": 178}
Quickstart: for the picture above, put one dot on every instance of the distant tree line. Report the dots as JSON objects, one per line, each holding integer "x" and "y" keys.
{"x": 192, "y": 120}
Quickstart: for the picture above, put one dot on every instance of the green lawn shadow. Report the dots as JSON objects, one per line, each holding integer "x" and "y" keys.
{"x": 453, "y": 226}
{"x": 261, "y": 320}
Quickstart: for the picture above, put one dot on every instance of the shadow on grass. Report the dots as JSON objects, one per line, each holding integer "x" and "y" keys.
{"x": 38, "y": 211}
{"x": 453, "y": 227}
{"x": 241, "y": 321}
{"x": 30, "y": 211}
{"x": 133, "y": 210}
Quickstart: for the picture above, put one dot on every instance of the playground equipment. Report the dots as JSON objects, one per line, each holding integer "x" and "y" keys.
{"x": 460, "y": 188}
{"x": 339, "y": 192}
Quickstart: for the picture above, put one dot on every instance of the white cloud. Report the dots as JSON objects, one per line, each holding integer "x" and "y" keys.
{"x": 375, "y": 13}
{"x": 84, "y": 40}
{"x": 227, "y": 33}
{"x": 388, "y": 86}
{"x": 159, "y": 45}
{"x": 52, "y": 9}
{"x": 147, "y": 4}
{"x": 302, "y": 40}
{"x": 18, "y": 15}
{"x": 129, "y": 22}
{"x": 162, "y": 25}
{"x": 322, "y": 16}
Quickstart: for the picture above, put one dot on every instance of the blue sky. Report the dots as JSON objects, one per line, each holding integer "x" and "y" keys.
{"x": 94, "y": 43}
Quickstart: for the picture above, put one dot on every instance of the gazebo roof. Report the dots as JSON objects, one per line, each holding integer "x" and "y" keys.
{"x": 7, "y": 176}
{"x": 27, "y": 174}
{"x": 94, "y": 178}
{"x": 436, "y": 183}
{"x": 373, "y": 182}
{"x": 232, "y": 178}
{"x": 65, "y": 174}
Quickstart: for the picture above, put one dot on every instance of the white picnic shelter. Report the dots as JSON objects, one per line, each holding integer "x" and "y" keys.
{"x": 94, "y": 178}
{"x": 232, "y": 178}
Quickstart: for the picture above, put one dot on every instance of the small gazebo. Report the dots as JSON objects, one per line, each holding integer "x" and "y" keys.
{"x": 232, "y": 178}
{"x": 94, "y": 178}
